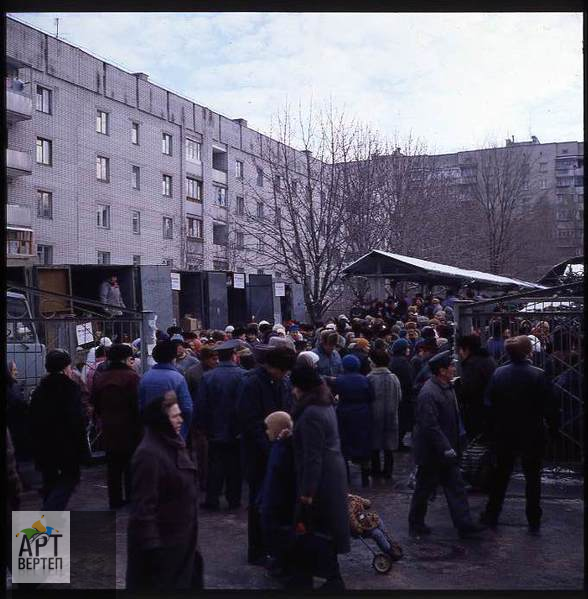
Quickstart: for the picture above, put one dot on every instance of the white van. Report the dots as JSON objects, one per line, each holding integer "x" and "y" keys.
{"x": 22, "y": 342}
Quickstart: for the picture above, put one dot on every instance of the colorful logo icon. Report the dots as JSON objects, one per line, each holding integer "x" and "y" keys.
{"x": 37, "y": 529}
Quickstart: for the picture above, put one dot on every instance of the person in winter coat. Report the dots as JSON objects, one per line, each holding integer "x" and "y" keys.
{"x": 110, "y": 294}
{"x": 437, "y": 447}
{"x": 369, "y": 524}
{"x": 387, "y": 394}
{"x": 115, "y": 397}
{"x": 163, "y": 377}
{"x": 162, "y": 536}
{"x": 521, "y": 406}
{"x": 329, "y": 359}
{"x": 321, "y": 478}
{"x": 17, "y": 413}
{"x": 277, "y": 497}
{"x": 400, "y": 366}
{"x": 58, "y": 431}
{"x": 216, "y": 416}
{"x": 361, "y": 350}
{"x": 263, "y": 390}
{"x": 354, "y": 415}
{"x": 476, "y": 369}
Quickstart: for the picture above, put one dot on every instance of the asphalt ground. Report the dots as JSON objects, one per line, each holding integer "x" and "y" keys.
{"x": 508, "y": 558}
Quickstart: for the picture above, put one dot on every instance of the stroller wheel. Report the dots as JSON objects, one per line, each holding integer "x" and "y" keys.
{"x": 382, "y": 563}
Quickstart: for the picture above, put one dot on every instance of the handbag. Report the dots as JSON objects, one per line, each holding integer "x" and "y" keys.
{"x": 477, "y": 463}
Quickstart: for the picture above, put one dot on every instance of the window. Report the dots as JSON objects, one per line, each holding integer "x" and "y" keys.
{"x": 240, "y": 206}
{"x": 168, "y": 262}
{"x": 220, "y": 265}
{"x": 278, "y": 275}
{"x": 193, "y": 189}
{"x": 193, "y": 150}
{"x": 194, "y": 227}
{"x": 240, "y": 240}
{"x": 259, "y": 209}
{"x": 136, "y": 260}
{"x": 102, "y": 168}
{"x": 294, "y": 186}
{"x": 238, "y": 169}
{"x": 525, "y": 184}
{"x": 136, "y": 222}
{"x": 564, "y": 181}
{"x": 221, "y": 197}
{"x": 220, "y": 234}
{"x": 543, "y": 183}
{"x": 260, "y": 245}
{"x": 168, "y": 227}
{"x": 103, "y": 257}
{"x": 103, "y": 216}
{"x": 579, "y": 181}
{"x": 259, "y": 176}
{"x": 135, "y": 133}
{"x": 136, "y": 177}
{"x": 260, "y": 271}
{"x": 277, "y": 182}
{"x": 166, "y": 189}
{"x": 278, "y": 215}
{"x": 543, "y": 167}
{"x": 19, "y": 242}
{"x": 45, "y": 254}
{"x": 44, "y": 151}
{"x": 102, "y": 122}
{"x": 44, "y": 97}
{"x": 44, "y": 204}
{"x": 166, "y": 144}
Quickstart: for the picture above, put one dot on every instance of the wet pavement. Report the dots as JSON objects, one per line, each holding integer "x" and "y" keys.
{"x": 508, "y": 558}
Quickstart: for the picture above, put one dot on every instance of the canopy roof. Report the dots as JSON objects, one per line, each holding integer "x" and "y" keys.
{"x": 394, "y": 266}
{"x": 572, "y": 266}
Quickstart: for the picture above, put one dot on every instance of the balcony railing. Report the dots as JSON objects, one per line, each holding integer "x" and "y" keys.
{"x": 19, "y": 106}
{"x": 18, "y": 216}
{"x": 219, "y": 176}
{"x": 18, "y": 163}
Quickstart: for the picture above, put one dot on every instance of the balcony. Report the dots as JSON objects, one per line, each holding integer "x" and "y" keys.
{"x": 18, "y": 163}
{"x": 19, "y": 106}
{"x": 219, "y": 176}
{"x": 19, "y": 234}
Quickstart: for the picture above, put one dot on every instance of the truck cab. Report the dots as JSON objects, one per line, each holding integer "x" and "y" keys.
{"x": 22, "y": 342}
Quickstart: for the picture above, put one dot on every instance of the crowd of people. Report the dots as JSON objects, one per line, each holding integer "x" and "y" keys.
{"x": 286, "y": 409}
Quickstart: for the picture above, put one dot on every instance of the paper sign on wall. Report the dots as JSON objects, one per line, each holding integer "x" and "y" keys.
{"x": 84, "y": 333}
{"x": 239, "y": 280}
{"x": 280, "y": 289}
{"x": 175, "y": 281}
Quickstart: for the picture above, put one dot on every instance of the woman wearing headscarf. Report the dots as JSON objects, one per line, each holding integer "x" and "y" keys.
{"x": 162, "y": 542}
{"x": 321, "y": 479}
{"x": 354, "y": 415}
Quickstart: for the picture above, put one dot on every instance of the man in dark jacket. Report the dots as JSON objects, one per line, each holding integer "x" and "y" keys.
{"x": 115, "y": 396}
{"x": 58, "y": 432}
{"x": 263, "y": 391}
{"x": 477, "y": 367}
{"x": 436, "y": 444}
{"x": 216, "y": 414}
{"x": 400, "y": 366}
{"x": 521, "y": 402}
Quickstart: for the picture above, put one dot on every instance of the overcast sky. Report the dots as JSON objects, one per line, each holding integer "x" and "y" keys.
{"x": 456, "y": 81}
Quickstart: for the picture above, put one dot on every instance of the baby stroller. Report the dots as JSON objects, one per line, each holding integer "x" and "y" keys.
{"x": 381, "y": 562}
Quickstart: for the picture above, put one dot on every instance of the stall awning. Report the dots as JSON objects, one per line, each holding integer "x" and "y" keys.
{"x": 394, "y": 266}
{"x": 572, "y": 266}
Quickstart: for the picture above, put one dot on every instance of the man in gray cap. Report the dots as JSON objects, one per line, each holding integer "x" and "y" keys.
{"x": 217, "y": 417}
{"x": 436, "y": 445}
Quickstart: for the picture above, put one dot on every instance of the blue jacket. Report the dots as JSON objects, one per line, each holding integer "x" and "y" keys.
{"x": 166, "y": 377}
{"x": 354, "y": 414}
{"x": 216, "y": 407}
{"x": 328, "y": 365}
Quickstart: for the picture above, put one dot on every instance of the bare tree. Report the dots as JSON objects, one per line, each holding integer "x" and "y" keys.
{"x": 296, "y": 222}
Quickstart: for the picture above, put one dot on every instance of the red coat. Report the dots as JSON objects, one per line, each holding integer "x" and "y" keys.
{"x": 115, "y": 395}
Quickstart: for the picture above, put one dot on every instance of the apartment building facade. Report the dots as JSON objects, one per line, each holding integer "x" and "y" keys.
{"x": 106, "y": 167}
{"x": 117, "y": 170}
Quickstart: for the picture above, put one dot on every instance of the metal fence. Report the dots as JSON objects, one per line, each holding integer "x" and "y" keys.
{"x": 38, "y": 321}
{"x": 554, "y": 318}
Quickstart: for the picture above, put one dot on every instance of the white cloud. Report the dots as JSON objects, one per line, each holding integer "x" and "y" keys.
{"x": 454, "y": 80}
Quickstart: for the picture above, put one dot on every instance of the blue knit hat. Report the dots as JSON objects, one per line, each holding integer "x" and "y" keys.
{"x": 399, "y": 346}
{"x": 351, "y": 363}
